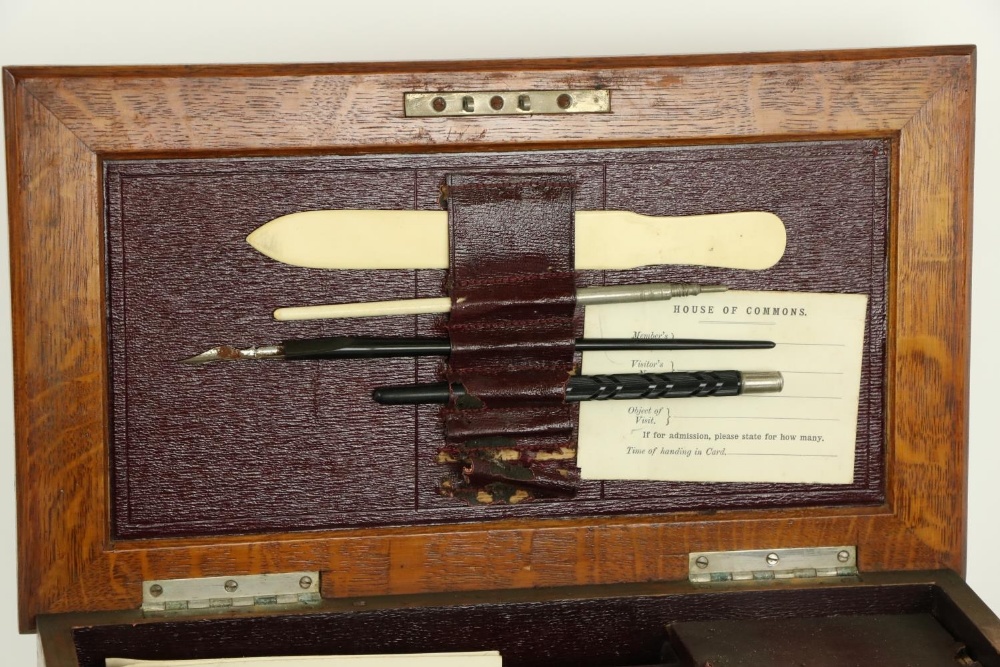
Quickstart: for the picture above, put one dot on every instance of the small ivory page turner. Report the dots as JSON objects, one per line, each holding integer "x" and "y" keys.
{"x": 375, "y": 239}
{"x": 585, "y": 296}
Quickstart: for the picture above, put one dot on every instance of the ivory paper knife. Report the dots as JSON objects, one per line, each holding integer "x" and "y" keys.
{"x": 375, "y": 239}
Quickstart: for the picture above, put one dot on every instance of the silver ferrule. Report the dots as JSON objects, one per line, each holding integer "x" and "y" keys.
{"x": 590, "y": 296}
{"x": 263, "y": 352}
{"x": 762, "y": 382}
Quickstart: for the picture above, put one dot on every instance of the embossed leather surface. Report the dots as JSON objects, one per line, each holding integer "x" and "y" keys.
{"x": 512, "y": 331}
{"x": 242, "y": 447}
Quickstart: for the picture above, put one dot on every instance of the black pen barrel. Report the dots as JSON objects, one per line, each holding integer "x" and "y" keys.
{"x": 346, "y": 347}
{"x": 625, "y": 386}
{"x": 639, "y": 344}
{"x": 416, "y": 394}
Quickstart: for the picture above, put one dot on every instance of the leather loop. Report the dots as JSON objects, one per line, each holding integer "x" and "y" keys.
{"x": 511, "y": 327}
{"x": 527, "y": 296}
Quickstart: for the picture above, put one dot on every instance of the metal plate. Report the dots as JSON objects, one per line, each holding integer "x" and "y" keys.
{"x": 225, "y": 592}
{"x": 762, "y": 564}
{"x": 505, "y": 103}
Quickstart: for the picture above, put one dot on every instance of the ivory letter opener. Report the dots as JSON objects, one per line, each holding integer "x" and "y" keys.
{"x": 375, "y": 239}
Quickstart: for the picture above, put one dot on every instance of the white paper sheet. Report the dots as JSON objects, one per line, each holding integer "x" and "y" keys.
{"x": 805, "y": 434}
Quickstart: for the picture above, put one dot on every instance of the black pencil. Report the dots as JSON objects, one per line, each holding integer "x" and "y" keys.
{"x": 625, "y": 386}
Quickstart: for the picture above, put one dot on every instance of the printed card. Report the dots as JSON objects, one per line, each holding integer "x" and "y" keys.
{"x": 804, "y": 434}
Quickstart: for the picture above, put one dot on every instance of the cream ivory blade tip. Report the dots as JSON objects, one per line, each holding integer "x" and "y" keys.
{"x": 378, "y": 239}
{"x": 356, "y": 239}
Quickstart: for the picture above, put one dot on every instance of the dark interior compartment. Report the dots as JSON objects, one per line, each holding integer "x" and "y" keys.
{"x": 236, "y": 448}
{"x": 609, "y": 626}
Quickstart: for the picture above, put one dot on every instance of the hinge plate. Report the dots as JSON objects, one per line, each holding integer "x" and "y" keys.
{"x": 505, "y": 102}
{"x": 224, "y": 593}
{"x": 767, "y": 564}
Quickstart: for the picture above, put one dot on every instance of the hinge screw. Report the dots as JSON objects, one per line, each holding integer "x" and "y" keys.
{"x": 305, "y": 582}
{"x": 496, "y": 102}
{"x": 231, "y": 586}
{"x": 439, "y": 104}
{"x": 701, "y": 562}
{"x": 156, "y": 590}
{"x": 564, "y": 101}
{"x": 772, "y": 559}
{"x": 843, "y": 556}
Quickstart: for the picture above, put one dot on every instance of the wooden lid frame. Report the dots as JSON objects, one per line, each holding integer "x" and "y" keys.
{"x": 62, "y": 123}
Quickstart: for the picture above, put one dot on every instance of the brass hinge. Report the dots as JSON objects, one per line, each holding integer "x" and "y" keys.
{"x": 505, "y": 102}
{"x": 224, "y": 593}
{"x": 767, "y": 564}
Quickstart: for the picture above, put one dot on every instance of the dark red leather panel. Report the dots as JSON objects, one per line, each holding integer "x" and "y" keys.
{"x": 244, "y": 447}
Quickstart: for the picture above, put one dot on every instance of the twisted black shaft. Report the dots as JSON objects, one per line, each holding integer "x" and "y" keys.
{"x": 603, "y": 387}
{"x": 653, "y": 385}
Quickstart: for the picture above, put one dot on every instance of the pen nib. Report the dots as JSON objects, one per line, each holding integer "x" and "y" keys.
{"x": 230, "y": 353}
{"x": 220, "y": 353}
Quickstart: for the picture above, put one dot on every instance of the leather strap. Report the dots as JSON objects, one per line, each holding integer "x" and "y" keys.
{"x": 511, "y": 324}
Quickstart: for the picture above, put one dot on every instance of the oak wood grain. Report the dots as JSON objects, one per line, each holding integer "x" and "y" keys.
{"x": 61, "y": 123}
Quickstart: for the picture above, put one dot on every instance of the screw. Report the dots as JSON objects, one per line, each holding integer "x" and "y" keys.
{"x": 156, "y": 590}
{"x": 524, "y": 102}
{"x": 565, "y": 101}
{"x": 469, "y": 103}
{"x": 305, "y": 582}
{"x": 843, "y": 556}
{"x": 231, "y": 586}
{"x": 496, "y": 102}
{"x": 438, "y": 104}
{"x": 772, "y": 559}
{"x": 702, "y": 562}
